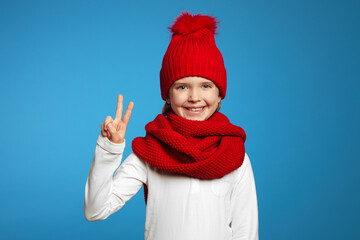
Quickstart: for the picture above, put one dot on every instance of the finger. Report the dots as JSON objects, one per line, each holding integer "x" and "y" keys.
{"x": 128, "y": 112}
{"x": 107, "y": 120}
{"x": 103, "y": 130}
{"x": 119, "y": 107}
{"x": 116, "y": 124}
{"x": 108, "y": 135}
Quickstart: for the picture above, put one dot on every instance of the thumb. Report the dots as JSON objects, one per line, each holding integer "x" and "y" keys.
{"x": 111, "y": 128}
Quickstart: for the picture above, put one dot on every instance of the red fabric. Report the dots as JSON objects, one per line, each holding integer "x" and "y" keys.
{"x": 200, "y": 149}
{"x": 193, "y": 52}
{"x": 186, "y": 23}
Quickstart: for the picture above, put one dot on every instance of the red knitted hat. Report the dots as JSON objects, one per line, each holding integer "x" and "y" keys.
{"x": 192, "y": 52}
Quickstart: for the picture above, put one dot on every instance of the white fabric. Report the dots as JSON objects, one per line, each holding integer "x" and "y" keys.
{"x": 178, "y": 207}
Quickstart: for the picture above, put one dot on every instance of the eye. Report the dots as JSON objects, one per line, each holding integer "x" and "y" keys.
{"x": 207, "y": 86}
{"x": 181, "y": 87}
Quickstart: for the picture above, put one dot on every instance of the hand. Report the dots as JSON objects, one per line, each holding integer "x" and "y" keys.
{"x": 115, "y": 130}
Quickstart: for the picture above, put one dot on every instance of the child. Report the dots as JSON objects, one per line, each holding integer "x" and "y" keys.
{"x": 197, "y": 178}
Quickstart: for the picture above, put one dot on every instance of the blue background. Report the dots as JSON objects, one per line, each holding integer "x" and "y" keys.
{"x": 293, "y": 82}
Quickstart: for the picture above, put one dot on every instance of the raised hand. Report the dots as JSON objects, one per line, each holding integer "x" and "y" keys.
{"x": 115, "y": 129}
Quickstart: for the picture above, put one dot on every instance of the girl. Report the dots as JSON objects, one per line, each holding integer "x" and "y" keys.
{"x": 197, "y": 178}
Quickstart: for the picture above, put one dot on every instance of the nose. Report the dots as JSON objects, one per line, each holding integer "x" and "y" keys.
{"x": 194, "y": 95}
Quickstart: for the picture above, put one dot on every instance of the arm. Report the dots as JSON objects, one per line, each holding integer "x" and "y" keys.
{"x": 106, "y": 192}
{"x": 244, "y": 206}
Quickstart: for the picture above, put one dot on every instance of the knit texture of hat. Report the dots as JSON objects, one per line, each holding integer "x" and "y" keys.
{"x": 192, "y": 52}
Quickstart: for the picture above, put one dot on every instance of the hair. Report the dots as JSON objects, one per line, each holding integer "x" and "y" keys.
{"x": 167, "y": 107}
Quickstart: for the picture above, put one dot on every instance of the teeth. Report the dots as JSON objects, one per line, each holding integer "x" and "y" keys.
{"x": 195, "y": 109}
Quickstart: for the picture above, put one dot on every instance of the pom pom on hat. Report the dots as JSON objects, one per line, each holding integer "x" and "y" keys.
{"x": 187, "y": 23}
{"x": 193, "y": 52}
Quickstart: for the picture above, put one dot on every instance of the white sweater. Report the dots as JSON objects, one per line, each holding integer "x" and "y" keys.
{"x": 178, "y": 207}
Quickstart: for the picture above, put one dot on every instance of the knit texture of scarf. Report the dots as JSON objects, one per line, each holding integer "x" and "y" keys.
{"x": 201, "y": 149}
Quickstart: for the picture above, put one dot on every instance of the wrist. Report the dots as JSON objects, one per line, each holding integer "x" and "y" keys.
{"x": 106, "y": 144}
{"x": 117, "y": 142}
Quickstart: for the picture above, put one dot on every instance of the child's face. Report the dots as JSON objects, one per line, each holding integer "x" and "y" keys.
{"x": 194, "y": 98}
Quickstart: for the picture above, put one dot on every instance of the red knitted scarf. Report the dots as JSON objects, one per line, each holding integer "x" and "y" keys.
{"x": 200, "y": 149}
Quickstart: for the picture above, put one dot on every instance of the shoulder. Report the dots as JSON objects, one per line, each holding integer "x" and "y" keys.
{"x": 244, "y": 170}
{"x": 245, "y": 163}
{"x": 135, "y": 161}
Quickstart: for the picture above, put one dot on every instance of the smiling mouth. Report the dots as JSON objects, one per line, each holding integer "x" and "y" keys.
{"x": 197, "y": 109}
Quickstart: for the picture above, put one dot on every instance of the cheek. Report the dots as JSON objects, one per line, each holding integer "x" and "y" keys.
{"x": 213, "y": 98}
{"x": 177, "y": 98}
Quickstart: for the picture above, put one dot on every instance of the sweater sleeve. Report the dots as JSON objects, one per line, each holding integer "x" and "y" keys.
{"x": 244, "y": 208}
{"x": 105, "y": 191}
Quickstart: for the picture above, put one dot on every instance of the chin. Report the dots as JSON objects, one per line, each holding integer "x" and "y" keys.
{"x": 195, "y": 118}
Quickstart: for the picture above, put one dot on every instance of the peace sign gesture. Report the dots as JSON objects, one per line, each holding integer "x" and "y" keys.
{"x": 115, "y": 130}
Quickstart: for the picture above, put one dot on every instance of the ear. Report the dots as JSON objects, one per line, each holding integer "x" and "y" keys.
{"x": 167, "y": 99}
